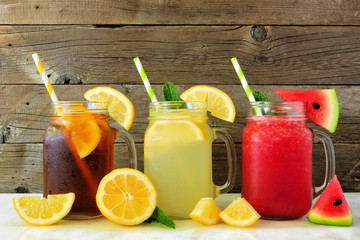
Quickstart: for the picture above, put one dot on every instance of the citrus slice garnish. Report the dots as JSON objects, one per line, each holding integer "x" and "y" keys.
{"x": 85, "y": 135}
{"x": 173, "y": 130}
{"x": 219, "y": 104}
{"x": 120, "y": 108}
{"x": 239, "y": 213}
{"x": 206, "y": 212}
{"x": 40, "y": 211}
{"x": 126, "y": 196}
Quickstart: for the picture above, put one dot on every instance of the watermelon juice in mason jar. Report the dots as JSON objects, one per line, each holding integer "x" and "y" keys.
{"x": 78, "y": 151}
{"x": 277, "y": 160}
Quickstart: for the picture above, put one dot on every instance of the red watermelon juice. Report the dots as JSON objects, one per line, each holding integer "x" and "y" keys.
{"x": 277, "y": 160}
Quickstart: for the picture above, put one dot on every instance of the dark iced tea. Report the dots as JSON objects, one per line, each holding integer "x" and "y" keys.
{"x": 78, "y": 153}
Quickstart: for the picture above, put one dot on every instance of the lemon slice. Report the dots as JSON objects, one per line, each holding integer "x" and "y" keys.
{"x": 85, "y": 135}
{"x": 126, "y": 196}
{"x": 118, "y": 105}
{"x": 44, "y": 211}
{"x": 206, "y": 212}
{"x": 239, "y": 213}
{"x": 219, "y": 104}
{"x": 173, "y": 130}
{"x": 84, "y": 131}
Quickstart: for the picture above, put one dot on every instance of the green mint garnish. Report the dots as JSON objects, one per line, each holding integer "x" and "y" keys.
{"x": 170, "y": 93}
{"x": 159, "y": 217}
{"x": 259, "y": 96}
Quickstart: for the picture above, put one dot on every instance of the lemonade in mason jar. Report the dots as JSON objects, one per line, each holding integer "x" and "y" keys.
{"x": 178, "y": 155}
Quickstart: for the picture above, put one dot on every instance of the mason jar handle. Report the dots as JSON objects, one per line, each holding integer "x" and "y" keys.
{"x": 329, "y": 158}
{"x": 130, "y": 145}
{"x": 231, "y": 158}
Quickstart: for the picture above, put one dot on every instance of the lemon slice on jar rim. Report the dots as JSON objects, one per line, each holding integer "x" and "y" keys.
{"x": 120, "y": 107}
{"x": 219, "y": 104}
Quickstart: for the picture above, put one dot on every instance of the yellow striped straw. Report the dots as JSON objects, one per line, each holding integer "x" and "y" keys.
{"x": 45, "y": 78}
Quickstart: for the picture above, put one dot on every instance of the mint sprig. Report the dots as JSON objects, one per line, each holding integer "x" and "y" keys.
{"x": 170, "y": 93}
{"x": 259, "y": 96}
{"x": 159, "y": 217}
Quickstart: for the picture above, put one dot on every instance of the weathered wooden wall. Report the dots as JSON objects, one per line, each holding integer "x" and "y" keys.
{"x": 280, "y": 44}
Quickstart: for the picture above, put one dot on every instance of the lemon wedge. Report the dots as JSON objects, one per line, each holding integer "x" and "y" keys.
{"x": 40, "y": 211}
{"x": 239, "y": 213}
{"x": 206, "y": 212}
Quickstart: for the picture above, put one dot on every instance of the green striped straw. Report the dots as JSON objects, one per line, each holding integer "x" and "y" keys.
{"x": 244, "y": 83}
{"x": 145, "y": 80}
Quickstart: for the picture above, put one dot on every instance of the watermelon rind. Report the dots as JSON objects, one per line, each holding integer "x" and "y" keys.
{"x": 327, "y": 118}
{"x": 316, "y": 217}
{"x": 334, "y": 117}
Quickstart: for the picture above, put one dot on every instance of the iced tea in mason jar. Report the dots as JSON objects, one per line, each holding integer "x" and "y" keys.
{"x": 78, "y": 152}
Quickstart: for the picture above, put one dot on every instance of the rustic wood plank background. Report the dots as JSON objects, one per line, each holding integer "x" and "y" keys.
{"x": 280, "y": 44}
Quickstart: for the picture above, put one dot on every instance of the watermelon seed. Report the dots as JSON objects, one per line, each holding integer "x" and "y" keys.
{"x": 316, "y": 105}
{"x": 337, "y": 202}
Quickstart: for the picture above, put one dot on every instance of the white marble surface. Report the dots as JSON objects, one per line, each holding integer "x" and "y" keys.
{"x": 13, "y": 227}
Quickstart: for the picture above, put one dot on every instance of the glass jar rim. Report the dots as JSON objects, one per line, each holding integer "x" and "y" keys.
{"x": 61, "y": 108}
{"x": 278, "y": 103}
{"x": 174, "y": 110}
{"x": 178, "y": 105}
{"x": 295, "y": 109}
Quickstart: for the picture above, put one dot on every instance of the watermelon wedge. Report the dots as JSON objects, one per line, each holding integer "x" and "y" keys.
{"x": 331, "y": 208}
{"x": 322, "y": 105}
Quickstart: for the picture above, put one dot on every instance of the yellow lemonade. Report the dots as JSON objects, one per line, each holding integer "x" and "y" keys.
{"x": 178, "y": 157}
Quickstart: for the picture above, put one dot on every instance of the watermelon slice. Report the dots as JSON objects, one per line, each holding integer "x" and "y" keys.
{"x": 331, "y": 208}
{"x": 322, "y": 105}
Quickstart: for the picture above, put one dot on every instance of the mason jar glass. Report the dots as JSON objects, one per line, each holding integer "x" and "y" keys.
{"x": 178, "y": 156}
{"x": 78, "y": 151}
{"x": 277, "y": 148}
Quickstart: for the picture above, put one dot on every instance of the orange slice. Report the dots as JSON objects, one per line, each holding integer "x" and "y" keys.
{"x": 206, "y": 212}
{"x": 120, "y": 108}
{"x": 126, "y": 196}
{"x": 239, "y": 214}
{"x": 40, "y": 211}
{"x": 219, "y": 104}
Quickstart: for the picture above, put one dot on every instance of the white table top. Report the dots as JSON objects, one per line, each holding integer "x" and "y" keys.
{"x": 13, "y": 227}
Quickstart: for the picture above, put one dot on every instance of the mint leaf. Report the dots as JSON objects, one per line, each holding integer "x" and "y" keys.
{"x": 159, "y": 217}
{"x": 170, "y": 93}
{"x": 259, "y": 96}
